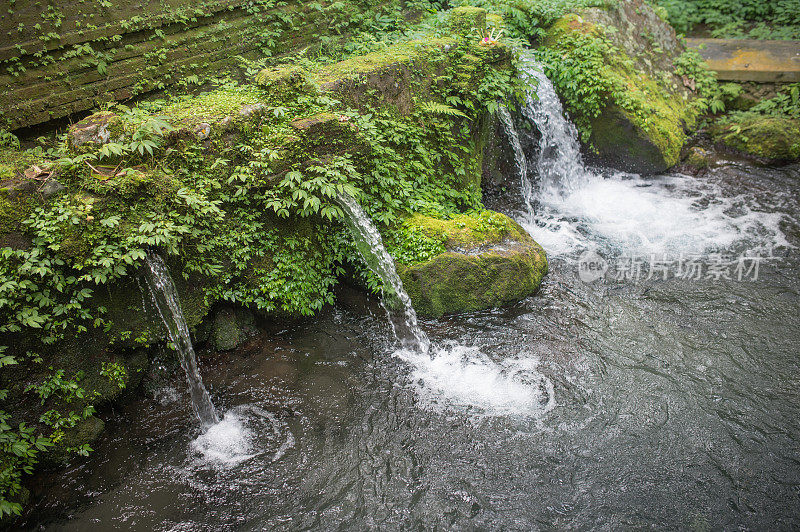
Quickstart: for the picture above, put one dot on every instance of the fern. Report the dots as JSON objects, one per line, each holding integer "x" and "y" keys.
{"x": 440, "y": 109}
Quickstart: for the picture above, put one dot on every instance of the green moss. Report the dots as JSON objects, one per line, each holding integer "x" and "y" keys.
{"x": 6, "y": 172}
{"x": 698, "y": 158}
{"x": 14, "y": 162}
{"x": 284, "y": 80}
{"x": 13, "y": 212}
{"x": 211, "y": 106}
{"x": 660, "y": 114}
{"x": 467, "y": 21}
{"x": 470, "y": 262}
{"x": 404, "y": 52}
{"x": 466, "y": 231}
{"x": 771, "y": 138}
{"x": 452, "y": 282}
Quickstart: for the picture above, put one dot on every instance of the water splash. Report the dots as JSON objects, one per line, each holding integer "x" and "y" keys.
{"x": 245, "y": 431}
{"x": 451, "y": 375}
{"x": 165, "y": 297}
{"x": 458, "y": 376}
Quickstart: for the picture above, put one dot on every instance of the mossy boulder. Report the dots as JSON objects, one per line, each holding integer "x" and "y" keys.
{"x": 325, "y": 134}
{"x": 94, "y": 130}
{"x": 395, "y": 75}
{"x": 285, "y": 80}
{"x": 232, "y": 326}
{"x": 768, "y": 139}
{"x": 215, "y": 117}
{"x": 468, "y": 263}
{"x": 637, "y": 113}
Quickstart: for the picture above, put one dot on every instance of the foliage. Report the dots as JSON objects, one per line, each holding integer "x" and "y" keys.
{"x": 737, "y": 19}
{"x": 115, "y": 373}
{"x": 784, "y": 104}
{"x": 249, "y": 214}
{"x": 691, "y": 65}
{"x": 411, "y": 244}
{"x": 528, "y": 20}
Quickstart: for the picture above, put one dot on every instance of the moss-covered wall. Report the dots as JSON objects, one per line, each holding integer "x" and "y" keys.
{"x": 66, "y": 56}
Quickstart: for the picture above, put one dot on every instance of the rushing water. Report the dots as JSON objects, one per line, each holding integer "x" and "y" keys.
{"x": 625, "y": 401}
{"x": 395, "y": 299}
{"x": 165, "y": 297}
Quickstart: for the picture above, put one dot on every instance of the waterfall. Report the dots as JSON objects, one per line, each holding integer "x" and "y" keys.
{"x": 165, "y": 297}
{"x": 520, "y": 160}
{"x": 395, "y": 299}
{"x": 559, "y": 164}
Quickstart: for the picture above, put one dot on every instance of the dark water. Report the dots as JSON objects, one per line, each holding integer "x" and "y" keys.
{"x": 652, "y": 404}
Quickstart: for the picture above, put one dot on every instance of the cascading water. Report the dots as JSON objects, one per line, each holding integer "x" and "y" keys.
{"x": 395, "y": 299}
{"x": 165, "y": 297}
{"x": 572, "y": 208}
{"x": 451, "y": 374}
{"x": 558, "y": 162}
{"x": 520, "y": 160}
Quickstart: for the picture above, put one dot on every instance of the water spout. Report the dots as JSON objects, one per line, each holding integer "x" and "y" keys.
{"x": 520, "y": 159}
{"x": 368, "y": 240}
{"x": 165, "y": 297}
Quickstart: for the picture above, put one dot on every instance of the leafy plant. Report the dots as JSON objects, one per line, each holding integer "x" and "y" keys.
{"x": 737, "y": 19}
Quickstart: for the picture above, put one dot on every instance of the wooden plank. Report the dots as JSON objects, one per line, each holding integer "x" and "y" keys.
{"x": 751, "y": 60}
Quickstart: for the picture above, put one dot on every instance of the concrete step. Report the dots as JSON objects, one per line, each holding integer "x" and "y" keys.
{"x": 751, "y": 60}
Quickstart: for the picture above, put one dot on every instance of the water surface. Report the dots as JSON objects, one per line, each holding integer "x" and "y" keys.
{"x": 651, "y": 403}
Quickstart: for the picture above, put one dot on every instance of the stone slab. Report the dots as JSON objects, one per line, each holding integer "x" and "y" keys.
{"x": 751, "y": 60}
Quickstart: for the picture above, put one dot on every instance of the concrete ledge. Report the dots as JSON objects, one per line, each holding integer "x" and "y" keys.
{"x": 751, "y": 60}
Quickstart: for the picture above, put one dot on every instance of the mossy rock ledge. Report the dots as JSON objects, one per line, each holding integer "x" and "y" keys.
{"x": 488, "y": 261}
{"x": 771, "y": 140}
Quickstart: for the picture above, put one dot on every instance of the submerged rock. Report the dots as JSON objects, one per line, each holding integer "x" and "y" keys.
{"x": 232, "y": 326}
{"x": 482, "y": 261}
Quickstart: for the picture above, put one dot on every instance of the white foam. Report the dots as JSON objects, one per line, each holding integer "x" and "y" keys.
{"x": 663, "y": 215}
{"x": 244, "y": 432}
{"x": 457, "y": 376}
{"x": 227, "y": 442}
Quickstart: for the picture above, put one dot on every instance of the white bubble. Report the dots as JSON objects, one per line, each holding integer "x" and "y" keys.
{"x": 461, "y": 377}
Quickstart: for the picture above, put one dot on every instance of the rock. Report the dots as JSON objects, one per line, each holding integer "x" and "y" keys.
{"x": 645, "y": 108}
{"x": 232, "y": 326}
{"x": 96, "y": 129}
{"x": 51, "y": 187}
{"x": 768, "y": 139}
{"x": 696, "y": 162}
{"x": 487, "y": 261}
{"x": 327, "y": 133}
{"x": 284, "y": 79}
{"x": 202, "y": 130}
{"x": 252, "y": 110}
{"x": 85, "y": 432}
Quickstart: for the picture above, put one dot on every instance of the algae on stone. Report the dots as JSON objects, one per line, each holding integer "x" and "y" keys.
{"x": 770, "y": 138}
{"x": 470, "y": 262}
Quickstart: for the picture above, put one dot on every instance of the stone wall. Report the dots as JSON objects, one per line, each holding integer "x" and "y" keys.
{"x": 62, "y": 57}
